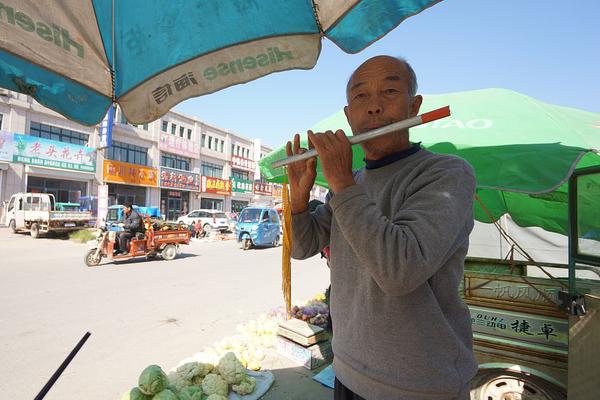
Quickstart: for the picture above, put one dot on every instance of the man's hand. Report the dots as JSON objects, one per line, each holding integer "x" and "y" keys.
{"x": 335, "y": 153}
{"x": 302, "y": 176}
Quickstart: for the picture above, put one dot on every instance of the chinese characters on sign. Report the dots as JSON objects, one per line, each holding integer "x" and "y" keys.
{"x": 265, "y": 189}
{"x": 277, "y": 190}
{"x": 241, "y": 186}
{"x": 242, "y": 162}
{"x": 178, "y": 145}
{"x": 161, "y": 93}
{"x": 216, "y": 185}
{"x": 177, "y": 179}
{"x": 50, "y": 153}
{"x": 120, "y": 172}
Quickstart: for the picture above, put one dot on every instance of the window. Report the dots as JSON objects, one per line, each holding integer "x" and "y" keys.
{"x": 222, "y": 145}
{"x": 181, "y": 131}
{"x": 59, "y": 134}
{"x": 165, "y": 126}
{"x": 210, "y": 142}
{"x": 232, "y": 149}
{"x": 237, "y": 174}
{"x": 127, "y": 153}
{"x": 175, "y": 161}
{"x": 273, "y": 216}
{"x": 189, "y": 134}
{"x": 203, "y": 144}
{"x": 212, "y": 170}
{"x": 173, "y": 129}
{"x": 122, "y": 118}
{"x": 0, "y": 121}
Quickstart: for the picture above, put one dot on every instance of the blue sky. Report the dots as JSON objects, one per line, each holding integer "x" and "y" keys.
{"x": 549, "y": 50}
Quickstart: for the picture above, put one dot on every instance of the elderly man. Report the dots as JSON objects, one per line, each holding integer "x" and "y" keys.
{"x": 398, "y": 230}
{"x": 131, "y": 224}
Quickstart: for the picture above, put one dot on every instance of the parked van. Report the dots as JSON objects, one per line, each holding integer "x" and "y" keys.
{"x": 38, "y": 213}
{"x": 258, "y": 226}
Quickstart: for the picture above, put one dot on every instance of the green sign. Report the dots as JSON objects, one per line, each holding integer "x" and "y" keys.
{"x": 50, "y": 153}
{"x": 241, "y": 185}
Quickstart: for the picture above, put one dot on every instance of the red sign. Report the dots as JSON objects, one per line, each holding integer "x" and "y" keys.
{"x": 265, "y": 189}
{"x": 216, "y": 185}
{"x": 177, "y": 179}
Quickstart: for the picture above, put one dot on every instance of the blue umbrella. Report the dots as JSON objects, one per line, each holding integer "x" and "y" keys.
{"x": 78, "y": 57}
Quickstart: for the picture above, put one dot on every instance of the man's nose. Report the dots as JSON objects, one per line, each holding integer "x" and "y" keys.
{"x": 374, "y": 108}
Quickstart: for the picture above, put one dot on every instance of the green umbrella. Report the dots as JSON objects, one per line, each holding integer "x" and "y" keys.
{"x": 523, "y": 151}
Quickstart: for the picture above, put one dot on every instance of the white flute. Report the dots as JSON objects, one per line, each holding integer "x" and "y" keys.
{"x": 384, "y": 130}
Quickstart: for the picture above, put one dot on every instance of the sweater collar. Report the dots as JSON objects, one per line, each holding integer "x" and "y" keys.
{"x": 382, "y": 162}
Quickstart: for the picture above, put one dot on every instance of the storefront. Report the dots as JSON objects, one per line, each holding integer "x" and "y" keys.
{"x": 66, "y": 191}
{"x": 242, "y": 194}
{"x": 214, "y": 192}
{"x": 128, "y": 182}
{"x": 175, "y": 195}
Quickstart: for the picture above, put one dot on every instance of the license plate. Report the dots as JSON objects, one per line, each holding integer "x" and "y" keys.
{"x": 69, "y": 224}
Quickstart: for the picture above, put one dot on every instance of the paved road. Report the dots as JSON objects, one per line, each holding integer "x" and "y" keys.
{"x": 139, "y": 313}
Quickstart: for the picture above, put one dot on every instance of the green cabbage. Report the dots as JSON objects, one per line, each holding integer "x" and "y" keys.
{"x": 135, "y": 394}
{"x": 165, "y": 395}
{"x": 152, "y": 380}
{"x": 191, "y": 393}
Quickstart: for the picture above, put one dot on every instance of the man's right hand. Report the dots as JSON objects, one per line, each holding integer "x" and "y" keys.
{"x": 302, "y": 176}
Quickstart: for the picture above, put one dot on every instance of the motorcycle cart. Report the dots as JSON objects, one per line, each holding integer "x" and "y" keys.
{"x": 152, "y": 242}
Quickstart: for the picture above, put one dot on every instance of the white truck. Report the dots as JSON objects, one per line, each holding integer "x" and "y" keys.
{"x": 36, "y": 213}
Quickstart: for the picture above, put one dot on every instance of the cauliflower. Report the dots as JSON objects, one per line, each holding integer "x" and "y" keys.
{"x": 231, "y": 369}
{"x": 214, "y": 384}
{"x": 135, "y": 394}
{"x": 192, "y": 370}
{"x": 152, "y": 380}
{"x": 165, "y": 395}
{"x": 246, "y": 386}
{"x": 178, "y": 381}
{"x": 216, "y": 397}
{"x": 191, "y": 393}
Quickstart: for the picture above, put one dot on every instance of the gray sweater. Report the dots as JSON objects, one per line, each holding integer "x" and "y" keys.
{"x": 398, "y": 241}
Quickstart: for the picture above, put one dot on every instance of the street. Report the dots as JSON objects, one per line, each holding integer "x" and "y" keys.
{"x": 139, "y": 313}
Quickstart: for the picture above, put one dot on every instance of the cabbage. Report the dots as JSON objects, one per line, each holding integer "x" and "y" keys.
{"x": 165, "y": 395}
{"x": 191, "y": 393}
{"x": 135, "y": 394}
{"x": 152, "y": 380}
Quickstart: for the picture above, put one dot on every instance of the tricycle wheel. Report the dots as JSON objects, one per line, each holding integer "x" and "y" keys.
{"x": 90, "y": 258}
{"x": 499, "y": 385}
{"x": 276, "y": 241}
{"x": 247, "y": 244}
{"x": 206, "y": 228}
{"x": 35, "y": 230}
{"x": 169, "y": 252}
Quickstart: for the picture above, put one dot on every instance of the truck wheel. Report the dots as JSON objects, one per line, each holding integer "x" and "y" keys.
{"x": 90, "y": 258}
{"x": 247, "y": 244}
{"x": 169, "y": 252}
{"x": 35, "y": 230}
{"x": 500, "y": 385}
{"x": 13, "y": 225}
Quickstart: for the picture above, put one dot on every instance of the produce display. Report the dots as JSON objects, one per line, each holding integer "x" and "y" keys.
{"x": 314, "y": 311}
{"x": 194, "y": 381}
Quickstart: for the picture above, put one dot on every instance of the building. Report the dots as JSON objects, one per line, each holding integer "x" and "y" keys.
{"x": 177, "y": 163}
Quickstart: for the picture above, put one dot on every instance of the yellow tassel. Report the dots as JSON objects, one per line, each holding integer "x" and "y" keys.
{"x": 286, "y": 260}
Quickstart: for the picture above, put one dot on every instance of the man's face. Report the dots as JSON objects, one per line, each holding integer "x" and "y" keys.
{"x": 127, "y": 209}
{"x": 378, "y": 95}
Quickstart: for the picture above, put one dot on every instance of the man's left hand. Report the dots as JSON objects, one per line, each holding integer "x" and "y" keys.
{"x": 335, "y": 153}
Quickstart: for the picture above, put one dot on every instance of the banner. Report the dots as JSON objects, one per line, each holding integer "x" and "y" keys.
{"x": 277, "y": 190}
{"x": 51, "y": 153}
{"x": 178, "y": 145}
{"x": 106, "y": 127}
{"x": 243, "y": 162}
{"x": 178, "y": 179}
{"x": 241, "y": 186}
{"x": 131, "y": 174}
{"x": 262, "y": 188}
{"x": 216, "y": 185}
{"x": 102, "y": 204}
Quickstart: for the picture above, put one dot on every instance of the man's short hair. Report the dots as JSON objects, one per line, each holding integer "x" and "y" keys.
{"x": 128, "y": 204}
{"x": 412, "y": 78}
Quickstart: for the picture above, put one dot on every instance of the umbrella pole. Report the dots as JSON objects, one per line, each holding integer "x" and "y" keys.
{"x": 363, "y": 137}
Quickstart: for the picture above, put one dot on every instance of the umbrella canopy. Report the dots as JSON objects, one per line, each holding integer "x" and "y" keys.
{"x": 76, "y": 57}
{"x": 523, "y": 151}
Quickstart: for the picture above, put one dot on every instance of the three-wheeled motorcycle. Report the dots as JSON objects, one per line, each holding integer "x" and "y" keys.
{"x": 156, "y": 240}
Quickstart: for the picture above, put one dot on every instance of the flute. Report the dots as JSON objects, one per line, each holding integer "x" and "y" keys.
{"x": 424, "y": 118}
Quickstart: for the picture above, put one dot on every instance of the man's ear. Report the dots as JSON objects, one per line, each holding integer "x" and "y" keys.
{"x": 346, "y": 113}
{"x": 416, "y": 105}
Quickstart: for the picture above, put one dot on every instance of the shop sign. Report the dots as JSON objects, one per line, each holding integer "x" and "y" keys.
{"x": 131, "y": 174}
{"x": 178, "y": 179}
{"x": 6, "y": 146}
{"x": 242, "y": 162}
{"x": 241, "y": 185}
{"x": 277, "y": 190}
{"x": 216, "y": 185}
{"x": 265, "y": 189}
{"x": 102, "y": 204}
{"x": 178, "y": 145}
{"x": 41, "y": 152}
{"x": 172, "y": 193}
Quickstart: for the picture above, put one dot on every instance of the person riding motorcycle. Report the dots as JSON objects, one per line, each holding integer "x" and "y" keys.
{"x": 131, "y": 224}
